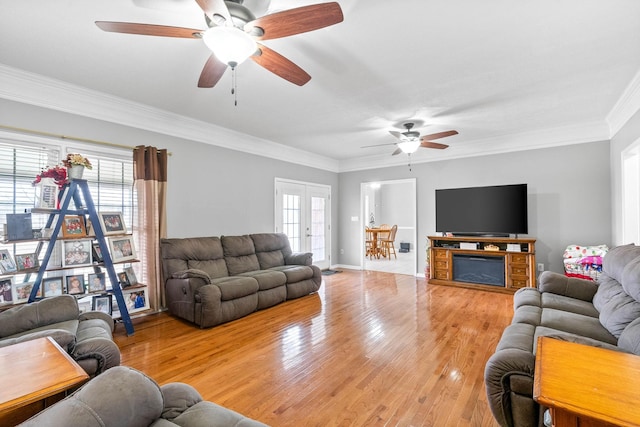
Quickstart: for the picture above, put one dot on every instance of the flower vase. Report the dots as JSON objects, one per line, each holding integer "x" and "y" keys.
{"x": 75, "y": 172}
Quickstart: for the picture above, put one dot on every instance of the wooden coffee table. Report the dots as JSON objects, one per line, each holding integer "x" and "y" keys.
{"x": 35, "y": 374}
{"x": 587, "y": 386}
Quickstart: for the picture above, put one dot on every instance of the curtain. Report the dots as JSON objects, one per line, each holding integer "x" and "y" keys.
{"x": 150, "y": 181}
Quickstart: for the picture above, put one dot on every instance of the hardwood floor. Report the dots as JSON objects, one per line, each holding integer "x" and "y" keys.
{"x": 369, "y": 349}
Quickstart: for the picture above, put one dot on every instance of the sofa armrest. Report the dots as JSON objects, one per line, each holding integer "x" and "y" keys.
{"x": 89, "y": 315}
{"x": 192, "y": 274}
{"x": 103, "y": 350}
{"x": 178, "y": 397}
{"x": 573, "y": 287}
{"x": 508, "y": 376}
{"x": 299, "y": 258}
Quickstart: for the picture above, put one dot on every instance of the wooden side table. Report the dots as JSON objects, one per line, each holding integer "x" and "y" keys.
{"x": 35, "y": 374}
{"x": 587, "y": 386}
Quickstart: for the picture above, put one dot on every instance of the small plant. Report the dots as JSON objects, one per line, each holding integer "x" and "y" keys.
{"x": 58, "y": 173}
{"x": 77, "y": 160}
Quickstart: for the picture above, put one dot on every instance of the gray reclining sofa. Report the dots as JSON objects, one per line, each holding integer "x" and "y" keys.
{"x": 604, "y": 314}
{"x": 213, "y": 280}
{"x": 87, "y": 337}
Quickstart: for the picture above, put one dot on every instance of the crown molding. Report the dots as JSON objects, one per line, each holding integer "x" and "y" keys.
{"x": 30, "y": 88}
{"x": 35, "y": 89}
{"x": 547, "y": 138}
{"x": 628, "y": 104}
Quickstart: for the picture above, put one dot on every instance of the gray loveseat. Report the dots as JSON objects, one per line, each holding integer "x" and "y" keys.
{"x": 212, "y": 280}
{"x": 604, "y": 314}
{"x": 87, "y": 337}
{"x": 123, "y": 396}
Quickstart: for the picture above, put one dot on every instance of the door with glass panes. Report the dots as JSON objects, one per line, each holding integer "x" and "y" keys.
{"x": 302, "y": 213}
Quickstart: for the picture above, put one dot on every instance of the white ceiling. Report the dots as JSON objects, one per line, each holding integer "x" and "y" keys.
{"x": 503, "y": 73}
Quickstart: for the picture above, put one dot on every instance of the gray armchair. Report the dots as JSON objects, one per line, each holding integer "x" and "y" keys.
{"x": 87, "y": 337}
{"x": 123, "y": 396}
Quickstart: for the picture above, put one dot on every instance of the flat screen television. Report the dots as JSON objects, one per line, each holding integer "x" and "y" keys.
{"x": 498, "y": 210}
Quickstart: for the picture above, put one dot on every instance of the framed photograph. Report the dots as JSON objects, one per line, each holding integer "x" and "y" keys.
{"x": 26, "y": 261}
{"x": 6, "y": 262}
{"x": 97, "y": 282}
{"x": 52, "y": 286}
{"x": 23, "y": 290}
{"x": 136, "y": 300}
{"x": 46, "y": 194}
{"x": 112, "y": 223}
{"x": 73, "y": 226}
{"x": 6, "y": 292}
{"x": 75, "y": 284}
{"x": 122, "y": 248}
{"x": 97, "y": 252}
{"x": 131, "y": 276}
{"x": 123, "y": 280}
{"x": 101, "y": 303}
{"x": 76, "y": 253}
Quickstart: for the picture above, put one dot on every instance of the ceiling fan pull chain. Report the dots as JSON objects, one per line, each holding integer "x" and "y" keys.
{"x": 234, "y": 86}
{"x": 409, "y": 154}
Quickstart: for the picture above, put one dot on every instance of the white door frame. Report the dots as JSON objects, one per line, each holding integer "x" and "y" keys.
{"x": 365, "y": 218}
{"x": 309, "y": 188}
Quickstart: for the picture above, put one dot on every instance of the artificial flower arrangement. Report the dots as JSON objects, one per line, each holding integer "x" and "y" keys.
{"x": 77, "y": 160}
{"x": 57, "y": 173}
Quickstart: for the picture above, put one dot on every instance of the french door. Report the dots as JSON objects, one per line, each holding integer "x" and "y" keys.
{"x": 303, "y": 213}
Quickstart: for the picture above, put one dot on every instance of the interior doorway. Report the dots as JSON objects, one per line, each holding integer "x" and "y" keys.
{"x": 391, "y": 202}
{"x": 303, "y": 212}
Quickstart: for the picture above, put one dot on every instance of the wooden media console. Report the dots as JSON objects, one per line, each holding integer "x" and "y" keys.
{"x": 490, "y": 263}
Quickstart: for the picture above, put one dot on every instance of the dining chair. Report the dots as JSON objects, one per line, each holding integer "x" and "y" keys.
{"x": 388, "y": 244}
{"x": 370, "y": 247}
{"x": 383, "y": 234}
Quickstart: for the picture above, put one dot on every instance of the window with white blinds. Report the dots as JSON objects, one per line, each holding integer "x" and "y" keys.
{"x": 110, "y": 180}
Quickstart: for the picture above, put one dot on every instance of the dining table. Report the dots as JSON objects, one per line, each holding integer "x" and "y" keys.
{"x": 377, "y": 232}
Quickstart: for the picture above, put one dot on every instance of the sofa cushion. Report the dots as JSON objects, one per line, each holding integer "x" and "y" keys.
{"x": 267, "y": 279}
{"x": 239, "y": 254}
{"x": 236, "y": 287}
{"x": 618, "y": 312}
{"x": 527, "y": 296}
{"x": 30, "y": 317}
{"x": 607, "y": 289}
{"x": 630, "y": 338}
{"x": 295, "y": 273}
{"x": 183, "y": 254}
{"x": 567, "y": 336}
{"x": 573, "y": 305}
{"x": 579, "y": 324}
{"x": 615, "y": 261}
{"x": 631, "y": 279}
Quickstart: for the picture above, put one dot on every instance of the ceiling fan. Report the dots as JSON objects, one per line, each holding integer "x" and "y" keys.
{"x": 233, "y": 32}
{"x": 410, "y": 140}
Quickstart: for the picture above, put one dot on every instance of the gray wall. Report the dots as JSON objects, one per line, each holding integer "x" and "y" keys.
{"x": 211, "y": 190}
{"x": 215, "y": 191}
{"x": 629, "y": 134}
{"x": 568, "y": 198}
{"x": 397, "y": 206}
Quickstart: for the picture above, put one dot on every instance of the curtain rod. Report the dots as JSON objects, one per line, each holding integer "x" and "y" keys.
{"x": 70, "y": 138}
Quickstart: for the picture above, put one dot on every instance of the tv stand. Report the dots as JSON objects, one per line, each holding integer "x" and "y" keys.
{"x": 501, "y": 264}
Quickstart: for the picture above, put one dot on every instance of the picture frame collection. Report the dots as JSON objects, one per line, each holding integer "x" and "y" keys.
{"x": 77, "y": 249}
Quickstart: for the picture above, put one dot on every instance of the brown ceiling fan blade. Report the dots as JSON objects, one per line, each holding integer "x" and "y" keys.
{"x": 436, "y": 145}
{"x": 438, "y": 135}
{"x": 148, "y": 29}
{"x": 296, "y": 21}
{"x": 281, "y": 66}
{"x": 395, "y": 153}
{"x": 212, "y": 72}
{"x": 214, "y": 7}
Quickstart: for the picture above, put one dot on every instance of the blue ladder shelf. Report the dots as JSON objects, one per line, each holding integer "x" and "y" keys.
{"x": 74, "y": 188}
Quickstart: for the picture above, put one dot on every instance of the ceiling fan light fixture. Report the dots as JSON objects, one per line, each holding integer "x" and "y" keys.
{"x": 230, "y": 44}
{"x": 409, "y": 146}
